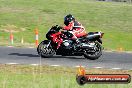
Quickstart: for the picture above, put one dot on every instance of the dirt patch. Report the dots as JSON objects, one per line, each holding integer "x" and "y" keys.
{"x": 14, "y": 10}
{"x": 108, "y": 71}
{"x": 49, "y": 69}
{"x": 11, "y": 28}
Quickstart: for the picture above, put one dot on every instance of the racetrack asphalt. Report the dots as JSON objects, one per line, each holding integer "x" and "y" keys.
{"x": 109, "y": 60}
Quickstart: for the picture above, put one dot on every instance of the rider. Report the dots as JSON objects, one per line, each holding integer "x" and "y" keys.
{"x": 74, "y": 27}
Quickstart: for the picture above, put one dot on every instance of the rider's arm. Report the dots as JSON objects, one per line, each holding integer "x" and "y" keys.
{"x": 69, "y": 27}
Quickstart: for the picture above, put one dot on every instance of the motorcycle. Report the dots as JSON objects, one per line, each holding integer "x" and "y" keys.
{"x": 89, "y": 45}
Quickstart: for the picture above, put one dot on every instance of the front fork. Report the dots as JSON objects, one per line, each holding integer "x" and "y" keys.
{"x": 48, "y": 44}
{"x": 100, "y": 40}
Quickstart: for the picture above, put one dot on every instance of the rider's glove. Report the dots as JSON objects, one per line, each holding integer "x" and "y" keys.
{"x": 60, "y": 27}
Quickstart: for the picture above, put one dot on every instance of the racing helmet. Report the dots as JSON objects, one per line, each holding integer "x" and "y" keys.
{"x": 68, "y": 18}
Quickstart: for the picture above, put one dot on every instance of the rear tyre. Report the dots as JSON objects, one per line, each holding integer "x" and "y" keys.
{"x": 44, "y": 50}
{"x": 96, "y": 54}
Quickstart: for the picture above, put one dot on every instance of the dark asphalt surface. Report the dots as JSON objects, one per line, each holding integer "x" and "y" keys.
{"x": 110, "y": 60}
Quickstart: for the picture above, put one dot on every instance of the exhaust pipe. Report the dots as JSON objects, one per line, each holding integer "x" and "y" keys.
{"x": 95, "y": 36}
{"x": 87, "y": 46}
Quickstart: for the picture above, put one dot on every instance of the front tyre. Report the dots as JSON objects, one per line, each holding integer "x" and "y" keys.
{"x": 45, "y": 49}
{"x": 95, "y": 53}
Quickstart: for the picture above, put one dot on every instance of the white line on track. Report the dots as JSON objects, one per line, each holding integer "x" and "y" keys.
{"x": 10, "y": 46}
{"x": 31, "y": 47}
{"x": 115, "y": 68}
{"x": 97, "y": 67}
{"x": 79, "y": 66}
{"x": 108, "y": 51}
{"x": 34, "y": 64}
{"x": 55, "y": 65}
{"x": 12, "y": 63}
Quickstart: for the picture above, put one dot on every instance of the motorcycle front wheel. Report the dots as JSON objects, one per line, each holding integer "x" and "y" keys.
{"x": 95, "y": 54}
{"x": 45, "y": 50}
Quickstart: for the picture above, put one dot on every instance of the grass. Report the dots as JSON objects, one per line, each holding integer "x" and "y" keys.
{"x": 113, "y": 18}
{"x": 25, "y": 76}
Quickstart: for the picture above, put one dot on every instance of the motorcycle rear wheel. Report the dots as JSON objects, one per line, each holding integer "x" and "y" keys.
{"x": 96, "y": 55}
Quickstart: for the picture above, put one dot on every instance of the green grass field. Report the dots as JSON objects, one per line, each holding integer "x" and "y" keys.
{"x": 21, "y": 76}
{"x": 23, "y": 16}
